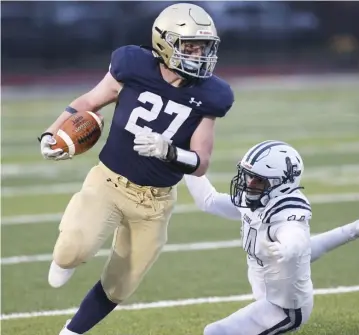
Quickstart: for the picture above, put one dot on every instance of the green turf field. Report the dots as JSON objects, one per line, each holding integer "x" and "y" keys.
{"x": 323, "y": 124}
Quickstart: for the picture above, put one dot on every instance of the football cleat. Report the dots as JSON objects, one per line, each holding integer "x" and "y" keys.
{"x": 65, "y": 331}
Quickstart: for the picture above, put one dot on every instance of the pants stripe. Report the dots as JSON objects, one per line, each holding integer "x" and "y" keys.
{"x": 291, "y": 322}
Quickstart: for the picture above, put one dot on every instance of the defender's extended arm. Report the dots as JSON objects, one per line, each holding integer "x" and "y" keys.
{"x": 209, "y": 200}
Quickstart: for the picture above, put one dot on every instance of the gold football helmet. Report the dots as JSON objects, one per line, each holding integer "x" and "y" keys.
{"x": 185, "y": 39}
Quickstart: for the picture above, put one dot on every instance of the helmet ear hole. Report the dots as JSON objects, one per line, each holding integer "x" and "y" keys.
{"x": 160, "y": 47}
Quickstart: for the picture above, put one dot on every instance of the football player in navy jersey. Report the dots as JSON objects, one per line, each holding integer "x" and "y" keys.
{"x": 167, "y": 100}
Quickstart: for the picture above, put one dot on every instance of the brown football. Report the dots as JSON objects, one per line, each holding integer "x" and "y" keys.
{"x": 79, "y": 133}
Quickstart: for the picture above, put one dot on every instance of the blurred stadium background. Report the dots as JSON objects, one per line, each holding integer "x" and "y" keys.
{"x": 294, "y": 67}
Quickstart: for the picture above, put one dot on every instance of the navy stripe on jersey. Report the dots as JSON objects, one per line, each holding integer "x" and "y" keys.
{"x": 268, "y": 146}
{"x": 268, "y": 234}
{"x": 291, "y": 322}
{"x": 258, "y": 147}
{"x": 276, "y": 211}
{"x": 287, "y": 200}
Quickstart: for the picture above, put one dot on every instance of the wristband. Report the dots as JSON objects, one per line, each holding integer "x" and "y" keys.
{"x": 44, "y": 134}
{"x": 184, "y": 160}
{"x": 70, "y": 110}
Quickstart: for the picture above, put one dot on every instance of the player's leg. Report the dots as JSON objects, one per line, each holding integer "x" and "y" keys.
{"x": 134, "y": 250}
{"x": 138, "y": 245}
{"x": 260, "y": 318}
{"x": 332, "y": 239}
{"x": 97, "y": 304}
{"x": 89, "y": 219}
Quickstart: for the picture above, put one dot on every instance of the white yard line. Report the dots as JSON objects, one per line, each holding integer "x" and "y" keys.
{"x": 55, "y": 217}
{"x": 31, "y": 219}
{"x": 342, "y": 148}
{"x": 18, "y": 191}
{"x": 183, "y": 208}
{"x": 105, "y": 252}
{"x": 322, "y": 173}
{"x": 50, "y": 170}
{"x": 228, "y": 135}
{"x": 171, "y": 303}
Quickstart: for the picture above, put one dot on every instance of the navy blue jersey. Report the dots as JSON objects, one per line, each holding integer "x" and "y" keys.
{"x": 147, "y": 101}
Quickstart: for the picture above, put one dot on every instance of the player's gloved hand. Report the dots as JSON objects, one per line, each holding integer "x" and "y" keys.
{"x": 57, "y": 154}
{"x": 151, "y": 145}
{"x": 279, "y": 251}
{"x": 63, "y": 156}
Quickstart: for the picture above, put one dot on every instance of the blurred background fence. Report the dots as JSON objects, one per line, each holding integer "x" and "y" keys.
{"x": 58, "y": 37}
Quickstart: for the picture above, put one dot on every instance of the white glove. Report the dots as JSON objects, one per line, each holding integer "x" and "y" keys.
{"x": 279, "y": 251}
{"x": 151, "y": 145}
{"x": 48, "y": 153}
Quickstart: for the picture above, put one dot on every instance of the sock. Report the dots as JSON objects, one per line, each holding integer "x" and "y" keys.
{"x": 322, "y": 243}
{"x": 93, "y": 309}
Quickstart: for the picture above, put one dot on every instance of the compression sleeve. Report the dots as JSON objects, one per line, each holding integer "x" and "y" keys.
{"x": 209, "y": 200}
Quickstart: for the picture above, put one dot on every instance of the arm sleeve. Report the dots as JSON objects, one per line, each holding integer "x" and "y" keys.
{"x": 120, "y": 65}
{"x": 209, "y": 200}
{"x": 294, "y": 236}
{"x": 224, "y": 102}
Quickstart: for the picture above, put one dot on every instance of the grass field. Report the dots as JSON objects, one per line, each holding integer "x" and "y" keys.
{"x": 322, "y": 123}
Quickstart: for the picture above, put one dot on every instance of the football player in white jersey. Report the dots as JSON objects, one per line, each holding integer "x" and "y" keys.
{"x": 266, "y": 197}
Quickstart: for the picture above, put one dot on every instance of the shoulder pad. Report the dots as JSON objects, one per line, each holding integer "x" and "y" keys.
{"x": 289, "y": 207}
{"x": 124, "y": 60}
{"x": 222, "y": 96}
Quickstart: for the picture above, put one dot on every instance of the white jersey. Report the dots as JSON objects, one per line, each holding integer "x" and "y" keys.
{"x": 287, "y": 284}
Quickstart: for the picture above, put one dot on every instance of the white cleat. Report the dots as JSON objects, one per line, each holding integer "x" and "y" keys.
{"x": 65, "y": 331}
{"x": 59, "y": 276}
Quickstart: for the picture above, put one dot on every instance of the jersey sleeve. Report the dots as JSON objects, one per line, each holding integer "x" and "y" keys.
{"x": 122, "y": 60}
{"x": 218, "y": 97}
{"x": 226, "y": 99}
{"x": 286, "y": 209}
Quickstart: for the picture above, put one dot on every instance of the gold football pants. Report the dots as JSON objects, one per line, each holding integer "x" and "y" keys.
{"x": 138, "y": 217}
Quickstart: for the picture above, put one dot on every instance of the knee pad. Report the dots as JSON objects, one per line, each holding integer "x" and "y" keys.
{"x": 69, "y": 250}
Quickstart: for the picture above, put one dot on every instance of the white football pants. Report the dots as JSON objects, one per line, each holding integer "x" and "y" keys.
{"x": 260, "y": 318}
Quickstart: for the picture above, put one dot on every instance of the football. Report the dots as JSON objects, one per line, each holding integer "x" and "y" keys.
{"x": 79, "y": 133}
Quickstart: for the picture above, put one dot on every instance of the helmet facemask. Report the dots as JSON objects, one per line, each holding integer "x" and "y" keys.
{"x": 252, "y": 190}
{"x": 193, "y": 56}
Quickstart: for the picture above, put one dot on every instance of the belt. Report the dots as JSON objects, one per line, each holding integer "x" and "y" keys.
{"x": 119, "y": 179}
